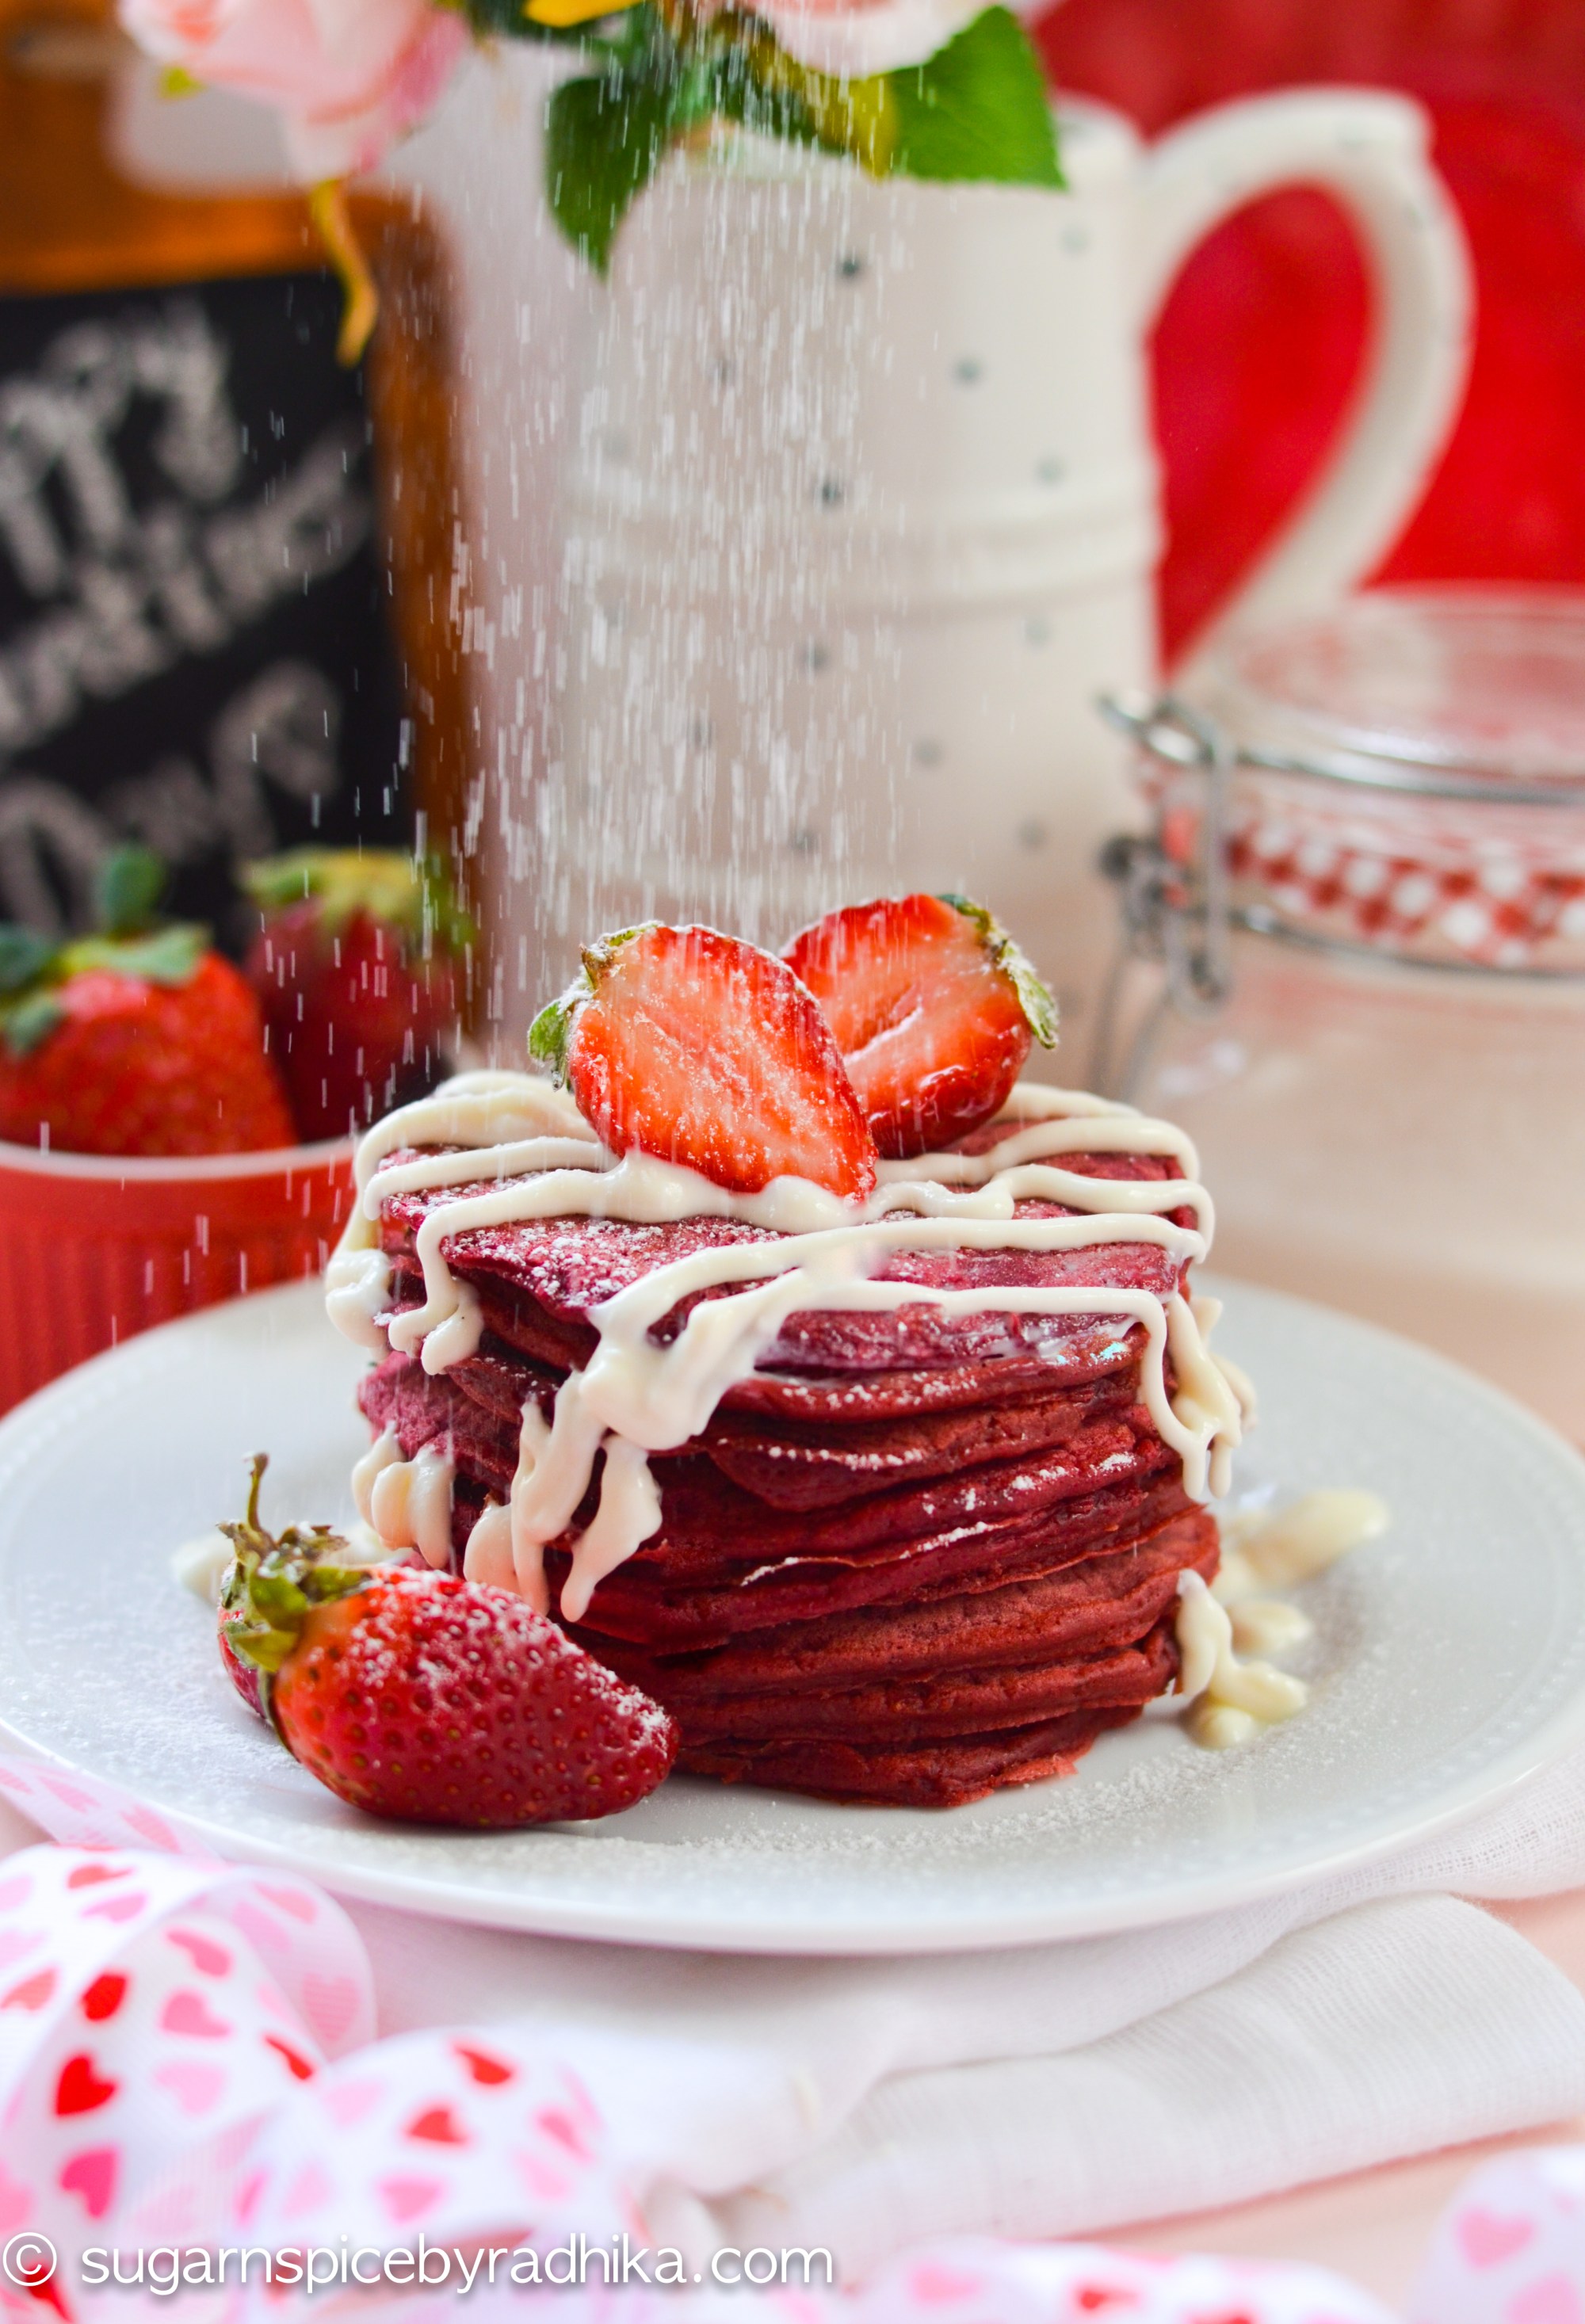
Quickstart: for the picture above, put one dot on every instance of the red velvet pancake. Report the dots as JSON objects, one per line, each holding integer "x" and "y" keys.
{"x": 918, "y": 1775}
{"x": 555, "y": 1271}
{"x": 722, "y": 1563}
{"x": 947, "y": 1704}
{"x": 1078, "y": 1609}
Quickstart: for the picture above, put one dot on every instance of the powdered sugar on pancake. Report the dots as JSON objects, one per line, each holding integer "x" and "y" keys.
{"x": 506, "y": 1149}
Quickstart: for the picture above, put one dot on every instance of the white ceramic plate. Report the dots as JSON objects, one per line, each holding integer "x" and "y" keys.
{"x": 1448, "y": 1664}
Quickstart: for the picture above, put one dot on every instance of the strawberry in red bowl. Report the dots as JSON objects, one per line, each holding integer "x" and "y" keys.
{"x": 148, "y": 1160}
{"x": 360, "y": 966}
{"x": 138, "y": 1040}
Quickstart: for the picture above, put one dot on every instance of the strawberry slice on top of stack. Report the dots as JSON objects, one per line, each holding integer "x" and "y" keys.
{"x": 702, "y": 1050}
{"x": 923, "y": 1545}
{"x": 934, "y": 1008}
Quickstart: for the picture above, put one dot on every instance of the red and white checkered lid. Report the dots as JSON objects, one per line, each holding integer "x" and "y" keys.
{"x": 1453, "y": 895}
{"x": 1412, "y": 774}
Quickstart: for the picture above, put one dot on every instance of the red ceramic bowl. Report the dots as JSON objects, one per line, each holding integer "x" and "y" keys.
{"x": 94, "y": 1248}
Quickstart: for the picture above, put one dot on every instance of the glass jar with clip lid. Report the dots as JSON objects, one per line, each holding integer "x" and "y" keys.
{"x": 1353, "y": 965}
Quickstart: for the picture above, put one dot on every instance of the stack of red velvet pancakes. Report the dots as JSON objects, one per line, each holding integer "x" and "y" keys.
{"x": 911, "y": 1558}
{"x": 916, "y": 1551}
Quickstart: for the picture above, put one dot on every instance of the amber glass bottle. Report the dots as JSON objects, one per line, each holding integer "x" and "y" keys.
{"x": 73, "y": 231}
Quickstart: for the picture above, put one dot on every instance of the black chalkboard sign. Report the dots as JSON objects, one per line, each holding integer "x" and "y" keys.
{"x": 195, "y": 647}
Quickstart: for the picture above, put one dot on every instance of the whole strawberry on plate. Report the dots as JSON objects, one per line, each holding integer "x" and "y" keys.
{"x": 414, "y": 1695}
{"x": 704, "y": 1051}
{"x": 137, "y": 1041}
{"x": 934, "y": 1008}
{"x": 361, "y": 967}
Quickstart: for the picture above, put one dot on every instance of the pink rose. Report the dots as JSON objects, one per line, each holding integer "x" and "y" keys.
{"x": 349, "y": 76}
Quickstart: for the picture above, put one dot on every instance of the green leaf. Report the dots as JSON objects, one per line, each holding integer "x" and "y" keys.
{"x": 256, "y": 1643}
{"x": 271, "y": 1584}
{"x": 274, "y": 881}
{"x": 1038, "y": 999}
{"x": 495, "y": 18}
{"x": 596, "y": 956}
{"x": 550, "y": 1034}
{"x": 756, "y": 82}
{"x": 604, "y": 138}
{"x": 325, "y": 1583}
{"x": 24, "y": 955}
{"x": 26, "y": 1022}
{"x": 130, "y": 884}
{"x": 168, "y": 956}
{"x": 978, "y": 109}
{"x": 279, "y": 1600}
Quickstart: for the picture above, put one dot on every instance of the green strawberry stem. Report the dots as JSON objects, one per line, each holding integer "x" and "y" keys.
{"x": 274, "y": 1583}
{"x": 550, "y": 1034}
{"x": 23, "y": 954}
{"x": 130, "y": 884}
{"x": 410, "y": 894}
{"x": 1036, "y": 997}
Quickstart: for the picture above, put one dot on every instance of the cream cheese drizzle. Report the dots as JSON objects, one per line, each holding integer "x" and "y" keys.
{"x": 409, "y": 1501}
{"x": 457, "y": 1337}
{"x": 1211, "y": 1678}
{"x": 1227, "y": 1701}
{"x": 382, "y": 1453}
{"x": 1267, "y": 1625}
{"x": 357, "y": 1295}
{"x": 488, "y": 1555}
{"x": 1275, "y": 1552}
{"x": 628, "y": 1513}
{"x": 527, "y": 1147}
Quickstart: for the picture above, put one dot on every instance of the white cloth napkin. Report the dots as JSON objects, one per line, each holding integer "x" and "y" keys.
{"x": 1072, "y": 2088}
{"x": 1063, "y": 2089}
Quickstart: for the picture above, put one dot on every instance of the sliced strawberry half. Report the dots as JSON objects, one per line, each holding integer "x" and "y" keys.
{"x": 705, "y": 1051}
{"x": 934, "y": 1007}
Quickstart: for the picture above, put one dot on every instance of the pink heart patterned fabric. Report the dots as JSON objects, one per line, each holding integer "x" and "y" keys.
{"x": 151, "y": 2008}
{"x": 1511, "y": 2250}
{"x": 189, "y": 2067}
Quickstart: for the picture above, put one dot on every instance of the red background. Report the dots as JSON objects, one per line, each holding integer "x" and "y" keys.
{"x": 1257, "y": 347}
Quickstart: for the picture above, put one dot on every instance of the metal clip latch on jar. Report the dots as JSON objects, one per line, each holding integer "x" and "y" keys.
{"x": 1173, "y": 887}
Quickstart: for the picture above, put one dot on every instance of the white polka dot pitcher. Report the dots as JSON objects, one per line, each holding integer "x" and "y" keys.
{"x": 864, "y": 510}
